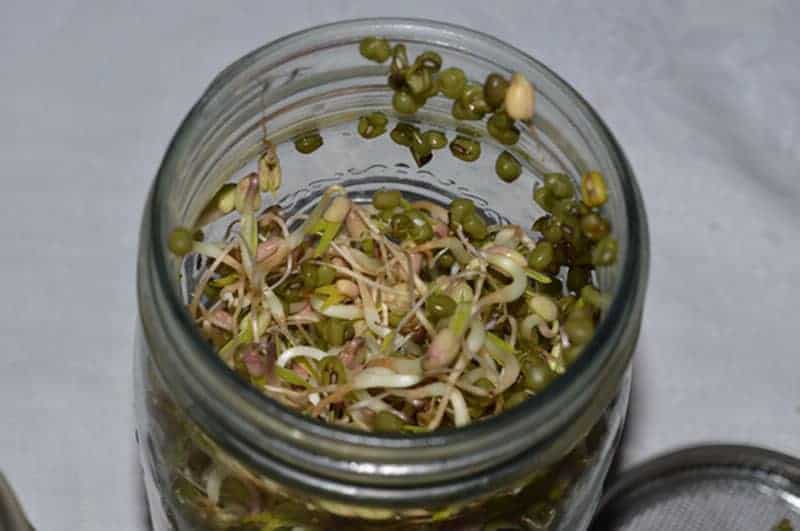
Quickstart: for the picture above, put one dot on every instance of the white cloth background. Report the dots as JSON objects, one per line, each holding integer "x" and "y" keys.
{"x": 704, "y": 96}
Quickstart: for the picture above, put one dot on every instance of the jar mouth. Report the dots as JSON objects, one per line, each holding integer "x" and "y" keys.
{"x": 539, "y": 410}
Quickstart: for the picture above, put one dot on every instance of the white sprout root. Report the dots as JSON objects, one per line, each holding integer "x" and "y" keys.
{"x": 349, "y": 310}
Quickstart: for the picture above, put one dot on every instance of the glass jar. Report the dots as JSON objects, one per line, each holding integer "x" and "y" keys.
{"x": 216, "y": 453}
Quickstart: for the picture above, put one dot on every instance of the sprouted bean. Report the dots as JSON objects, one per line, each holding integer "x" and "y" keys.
{"x": 484, "y": 332}
{"x": 520, "y": 98}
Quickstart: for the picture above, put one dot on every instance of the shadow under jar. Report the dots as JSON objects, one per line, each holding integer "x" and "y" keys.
{"x": 200, "y": 427}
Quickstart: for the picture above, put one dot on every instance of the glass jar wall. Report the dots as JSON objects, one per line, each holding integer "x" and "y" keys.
{"x": 218, "y": 454}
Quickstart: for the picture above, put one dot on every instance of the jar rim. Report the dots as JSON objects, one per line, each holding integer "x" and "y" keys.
{"x": 537, "y": 410}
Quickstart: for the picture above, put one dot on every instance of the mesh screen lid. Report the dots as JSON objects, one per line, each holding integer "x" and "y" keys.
{"x": 707, "y": 488}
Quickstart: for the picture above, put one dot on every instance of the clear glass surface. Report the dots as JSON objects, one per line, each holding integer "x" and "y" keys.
{"x": 193, "y": 412}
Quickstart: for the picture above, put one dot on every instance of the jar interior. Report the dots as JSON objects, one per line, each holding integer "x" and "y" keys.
{"x": 313, "y": 82}
{"x": 328, "y": 90}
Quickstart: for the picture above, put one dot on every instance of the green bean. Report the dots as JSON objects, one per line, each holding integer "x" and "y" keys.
{"x": 368, "y": 246}
{"x": 416, "y": 216}
{"x": 579, "y": 330}
{"x": 180, "y": 241}
{"x": 386, "y": 215}
{"x": 592, "y": 295}
{"x": 494, "y": 90}
{"x": 385, "y": 421}
{"x": 507, "y": 167}
{"x": 402, "y": 134}
{"x": 560, "y": 185}
{"x": 543, "y": 197}
{"x": 372, "y": 125}
{"x": 580, "y": 310}
{"x": 472, "y": 98}
{"x": 537, "y": 374}
{"x": 403, "y": 102}
{"x": 594, "y": 226}
{"x": 466, "y": 112}
{"x": 435, "y": 139}
{"x": 421, "y": 232}
{"x": 577, "y": 278}
{"x": 507, "y": 137}
{"x": 605, "y": 252}
{"x": 475, "y": 226}
{"x": 501, "y": 127}
{"x": 452, "y": 81}
{"x": 465, "y": 148}
{"x": 460, "y": 208}
{"x": 569, "y": 211}
{"x": 325, "y": 275}
{"x": 462, "y": 112}
{"x": 439, "y": 306}
{"x": 551, "y": 229}
{"x": 420, "y": 227}
{"x": 400, "y": 224}
{"x": 386, "y": 199}
{"x": 541, "y": 256}
{"x": 593, "y": 189}
{"x": 375, "y": 49}
{"x": 308, "y": 143}
{"x": 445, "y": 261}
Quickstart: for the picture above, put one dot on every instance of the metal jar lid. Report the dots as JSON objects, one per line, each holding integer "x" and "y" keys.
{"x": 705, "y": 488}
